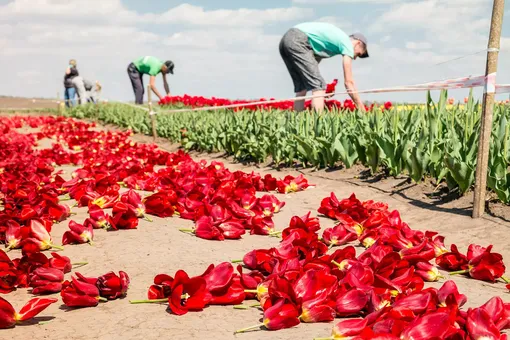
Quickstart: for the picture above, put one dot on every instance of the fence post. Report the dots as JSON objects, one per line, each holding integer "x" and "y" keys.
{"x": 487, "y": 109}
{"x": 152, "y": 114}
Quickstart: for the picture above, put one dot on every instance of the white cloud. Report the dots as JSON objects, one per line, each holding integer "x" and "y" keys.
{"x": 114, "y": 11}
{"x": 342, "y": 23}
{"x": 195, "y": 15}
{"x": 234, "y": 52}
{"x": 317, "y": 2}
{"x": 423, "y": 45}
{"x": 385, "y": 38}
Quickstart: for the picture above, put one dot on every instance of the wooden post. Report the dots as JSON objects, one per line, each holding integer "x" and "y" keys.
{"x": 487, "y": 109}
{"x": 151, "y": 113}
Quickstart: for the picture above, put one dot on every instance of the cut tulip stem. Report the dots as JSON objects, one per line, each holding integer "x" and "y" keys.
{"x": 247, "y": 306}
{"x": 103, "y": 299}
{"x": 252, "y": 291}
{"x": 42, "y": 323}
{"x": 57, "y": 247}
{"x": 148, "y": 301}
{"x": 186, "y": 230}
{"x": 236, "y": 261}
{"x": 274, "y": 233}
{"x": 336, "y": 263}
{"x": 247, "y": 329}
{"x": 506, "y": 279}
{"x": 147, "y": 218}
{"x": 80, "y": 264}
{"x": 330, "y": 338}
{"x": 458, "y": 272}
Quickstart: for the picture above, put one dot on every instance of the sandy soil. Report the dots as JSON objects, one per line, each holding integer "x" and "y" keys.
{"x": 7, "y": 103}
{"x": 159, "y": 247}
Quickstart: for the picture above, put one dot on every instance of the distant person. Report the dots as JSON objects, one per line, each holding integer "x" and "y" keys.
{"x": 70, "y": 91}
{"x": 305, "y": 45}
{"x": 87, "y": 90}
{"x": 151, "y": 66}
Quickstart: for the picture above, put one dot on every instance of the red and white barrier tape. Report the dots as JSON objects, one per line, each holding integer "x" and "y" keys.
{"x": 449, "y": 84}
{"x": 503, "y": 88}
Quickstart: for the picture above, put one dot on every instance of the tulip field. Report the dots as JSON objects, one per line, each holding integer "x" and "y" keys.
{"x": 107, "y": 237}
{"x": 432, "y": 142}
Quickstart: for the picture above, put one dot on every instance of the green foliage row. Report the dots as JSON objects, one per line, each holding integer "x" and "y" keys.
{"x": 433, "y": 140}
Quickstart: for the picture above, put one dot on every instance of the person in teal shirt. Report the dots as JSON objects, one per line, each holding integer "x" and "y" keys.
{"x": 305, "y": 45}
{"x": 151, "y": 66}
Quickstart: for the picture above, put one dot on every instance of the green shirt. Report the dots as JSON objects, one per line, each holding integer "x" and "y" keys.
{"x": 327, "y": 40}
{"x": 148, "y": 65}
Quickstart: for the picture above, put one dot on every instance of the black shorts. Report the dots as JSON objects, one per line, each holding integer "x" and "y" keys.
{"x": 303, "y": 65}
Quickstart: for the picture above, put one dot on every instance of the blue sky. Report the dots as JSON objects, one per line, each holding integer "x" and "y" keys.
{"x": 229, "y": 49}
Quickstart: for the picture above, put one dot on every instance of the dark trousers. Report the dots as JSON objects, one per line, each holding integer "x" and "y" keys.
{"x": 137, "y": 81}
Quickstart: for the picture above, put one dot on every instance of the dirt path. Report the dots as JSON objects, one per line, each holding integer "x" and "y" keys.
{"x": 7, "y": 103}
{"x": 159, "y": 247}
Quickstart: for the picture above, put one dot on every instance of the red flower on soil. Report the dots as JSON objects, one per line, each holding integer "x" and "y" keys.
{"x": 46, "y": 280}
{"x": 224, "y": 286}
{"x": 8, "y": 274}
{"x": 40, "y": 236}
{"x": 338, "y": 236}
{"x": 78, "y": 234}
{"x": 60, "y": 262}
{"x": 98, "y": 219}
{"x": 9, "y": 318}
{"x": 80, "y": 293}
{"x": 112, "y": 286}
{"x": 188, "y": 294}
{"x": 483, "y": 264}
{"x": 292, "y": 184}
{"x": 124, "y": 217}
{"x": 452, "y": 260}
{"x": 13, "y": 235}
{"x": 161, "y": 204}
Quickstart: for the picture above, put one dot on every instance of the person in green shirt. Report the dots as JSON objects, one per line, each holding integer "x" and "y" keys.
{"x": 305, "y": 45}
{"x": 151, "y": 66}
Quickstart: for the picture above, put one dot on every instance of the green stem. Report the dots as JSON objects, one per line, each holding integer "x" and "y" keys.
{"x": 42, "y": 323}
{"x": 252, "y": 291}
{"x": 79, "y": 264}
{"x": 275, "y": 233}
{"x": 148, "y": 301}
{"x": 336, "y": 263}
{"x": 458, "y": 272}
{"x": 187, "y": 230}
{"x": 506, "y": 279}
{"x": 248, "y": 329}
{"x": 247, "y": 306}
{"x": 236, "y": 261}
{"x": 147, "y": 218}
{"x": 331, "y": 245}
{"x": 330, "y": 338}
{"x": 57, "y": 247}
{"x": 103, "y": 299}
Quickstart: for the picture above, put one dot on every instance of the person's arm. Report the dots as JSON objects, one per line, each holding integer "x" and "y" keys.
{"x": 349, "y": 83}
{"x": 153, "y": 87}
{"x": 165, "y": 84}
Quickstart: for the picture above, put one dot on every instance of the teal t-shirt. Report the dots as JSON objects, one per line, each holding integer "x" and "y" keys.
{"x": 326, "y": 39}
{"x": 148, "y": 65}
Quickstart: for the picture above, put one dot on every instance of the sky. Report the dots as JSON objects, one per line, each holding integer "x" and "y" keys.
{"x": 229, "y": 48}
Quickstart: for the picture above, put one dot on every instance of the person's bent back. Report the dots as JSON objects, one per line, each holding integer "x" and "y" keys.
{"x": 151, "y": 66}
